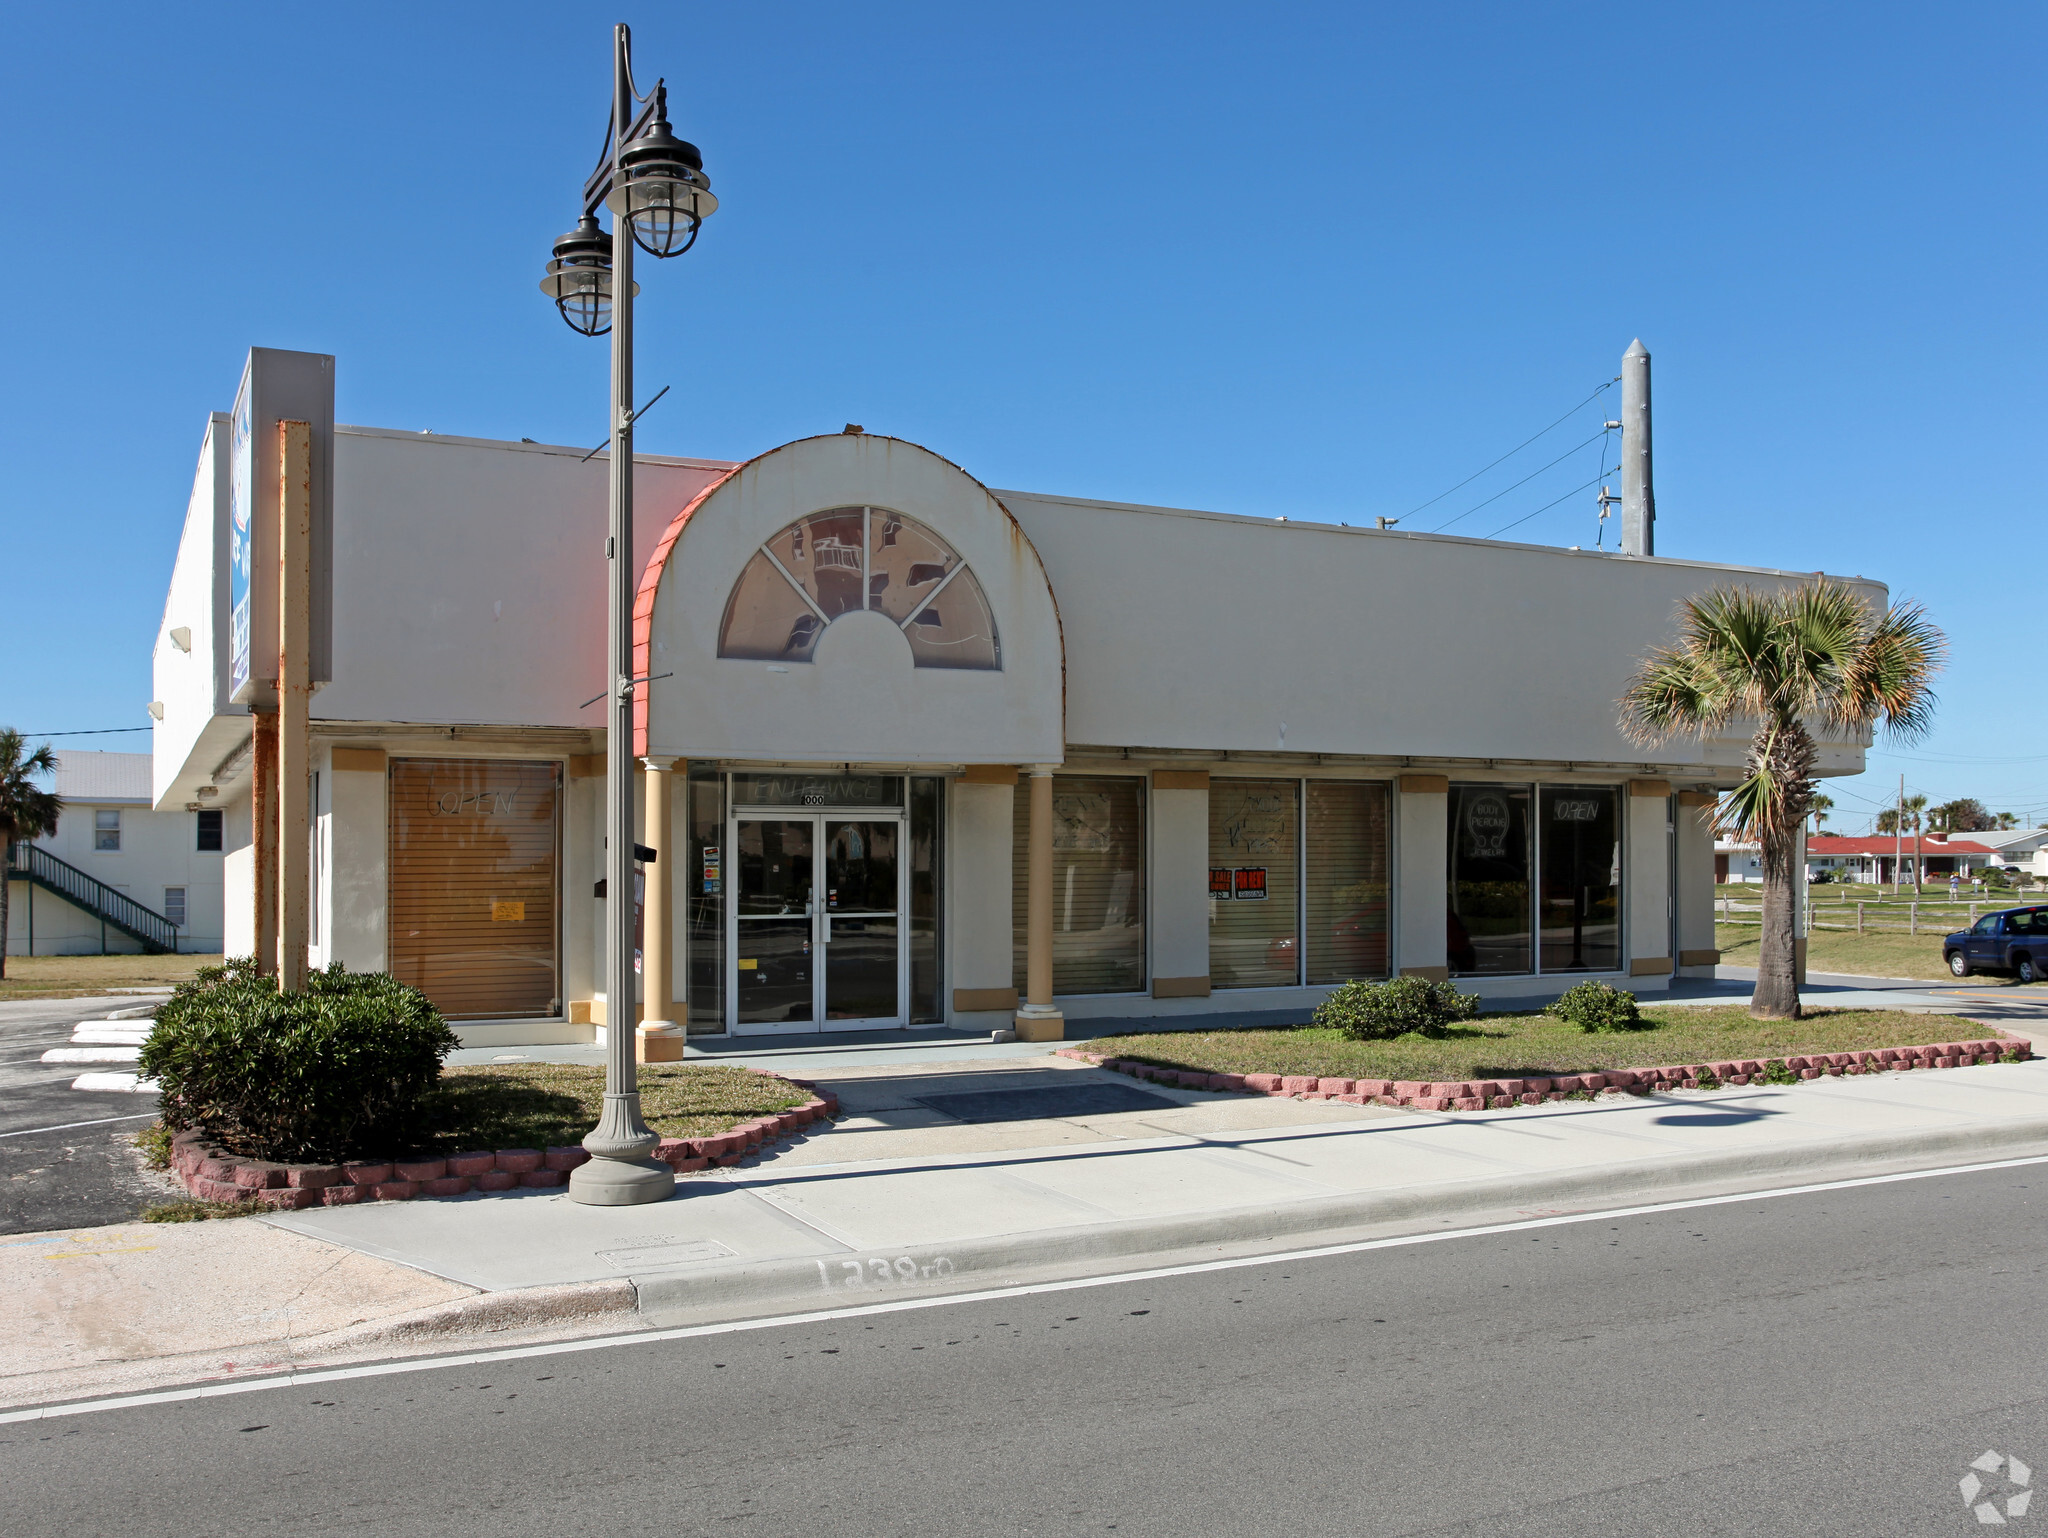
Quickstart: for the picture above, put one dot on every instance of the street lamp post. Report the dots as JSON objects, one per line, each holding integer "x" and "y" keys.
{"x": 655, "y": 187}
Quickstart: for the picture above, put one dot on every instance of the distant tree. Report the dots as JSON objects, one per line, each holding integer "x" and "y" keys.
{"x": 1819, "y": 653}
{"x": 1821, "y": 805}
{"x": 1967, "y": 815}
{"x": 2007, "y": 820}
{"x": 26, "y": 809}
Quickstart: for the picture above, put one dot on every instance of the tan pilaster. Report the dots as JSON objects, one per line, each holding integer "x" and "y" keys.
{"x": 263, "y": 828}
{"x": 660, "y": 1037}
{"x": 1037, "y": 1020}
{"x": 294, "y": 700}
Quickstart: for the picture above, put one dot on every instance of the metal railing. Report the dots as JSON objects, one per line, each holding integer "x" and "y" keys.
{"x": 155, "y": 933}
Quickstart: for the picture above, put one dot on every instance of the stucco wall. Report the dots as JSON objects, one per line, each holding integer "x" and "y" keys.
{"x": 469, "y": 577}
{"x": 1210, "y": 631}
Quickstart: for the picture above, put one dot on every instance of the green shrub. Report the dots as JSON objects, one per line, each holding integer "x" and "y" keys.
{"x": 332, "y": 1073}
{"x": 1595, "y": 1006}
{"x": 1365, "y": 1011}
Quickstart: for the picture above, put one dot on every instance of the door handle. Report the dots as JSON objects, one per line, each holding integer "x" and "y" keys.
{"x": 825, "y": 934}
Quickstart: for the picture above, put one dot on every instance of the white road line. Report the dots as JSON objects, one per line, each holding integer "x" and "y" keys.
{"x": 66, "y": 1126}
{"x": 988, "y": 1295}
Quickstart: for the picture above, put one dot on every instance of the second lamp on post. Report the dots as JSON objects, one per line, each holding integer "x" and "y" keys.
{"x": 655, "y": 187}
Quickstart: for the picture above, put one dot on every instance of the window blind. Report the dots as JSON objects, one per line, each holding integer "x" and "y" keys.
{"x": 473, "y": 885}
{"x": 1348, "y": 885}
{"x": 1254, "y": 883}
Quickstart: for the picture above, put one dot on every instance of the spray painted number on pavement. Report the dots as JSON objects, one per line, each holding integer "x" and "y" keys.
{"x": 857, "y": 1275}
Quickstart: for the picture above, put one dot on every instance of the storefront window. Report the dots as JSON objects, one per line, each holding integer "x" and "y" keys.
{"x": 926, "y": 823}
{"x": 1488, "y": 926}
{"x": 703, "y": 892}
{"x": 1347, "y": 880}
{"x": 1581, "y": 878}
{"x": 1254, "y": 883}
{"x": 1098, "y": 884}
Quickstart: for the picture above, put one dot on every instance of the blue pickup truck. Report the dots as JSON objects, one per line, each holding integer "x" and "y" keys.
{"x": 2015, "y": 941}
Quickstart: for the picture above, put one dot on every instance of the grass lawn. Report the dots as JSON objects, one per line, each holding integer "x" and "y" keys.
{"x": 1867, "y": 955}
{"x": 1538, "y": 1046}
{"x": 65, "y": 977}
{"x": 551, "y": 1105}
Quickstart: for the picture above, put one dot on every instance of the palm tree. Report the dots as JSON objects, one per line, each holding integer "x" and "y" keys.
{"x": 26, "y": 809}
{"x": 1820, "y": 806}
{"x": 1819, "y": 654}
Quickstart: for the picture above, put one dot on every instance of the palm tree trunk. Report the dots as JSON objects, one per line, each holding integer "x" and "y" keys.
{"x": 1777, "y": 979}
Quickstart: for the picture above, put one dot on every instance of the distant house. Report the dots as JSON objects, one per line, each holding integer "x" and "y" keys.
{"x": 2023, "y": 849}
{"x": 116, "y": 876}
{"x": 1875, "y": 858}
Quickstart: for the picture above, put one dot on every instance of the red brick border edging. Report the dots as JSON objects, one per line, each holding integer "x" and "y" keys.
{"x": 212, "y": 1174}
{"x": 1495, "y": 1094}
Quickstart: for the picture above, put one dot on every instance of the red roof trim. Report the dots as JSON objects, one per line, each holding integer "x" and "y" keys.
{"x": 643, "y": 603}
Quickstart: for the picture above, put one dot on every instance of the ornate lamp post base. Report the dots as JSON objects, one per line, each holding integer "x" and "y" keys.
{"x": 621, "y": 1182}
{"x": 620, "y": 1173}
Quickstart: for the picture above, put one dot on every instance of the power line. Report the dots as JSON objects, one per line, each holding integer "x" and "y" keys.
{"x": 1546, "y": 507}
{"x": 1525, "y": 480}
{"x": 98, "y": 731}
{"x": 1511, "y": 453}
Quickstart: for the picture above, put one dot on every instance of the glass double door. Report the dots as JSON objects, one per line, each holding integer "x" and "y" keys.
{"x": 817, "y": 930}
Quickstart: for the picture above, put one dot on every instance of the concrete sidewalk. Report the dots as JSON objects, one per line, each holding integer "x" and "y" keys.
{"x": 972, "y": 1199}
{"x": 955, "y": 1173}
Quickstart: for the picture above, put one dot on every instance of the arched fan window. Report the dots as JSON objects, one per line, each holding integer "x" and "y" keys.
{"x": 847, "y": 558}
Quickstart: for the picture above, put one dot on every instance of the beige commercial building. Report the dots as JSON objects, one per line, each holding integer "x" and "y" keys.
{"x": 1237, "y": 760}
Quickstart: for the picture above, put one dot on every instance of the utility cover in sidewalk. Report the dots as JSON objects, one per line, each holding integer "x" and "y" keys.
{"x": 1038, "y": 1104}
{"x": 661, "y": 1254}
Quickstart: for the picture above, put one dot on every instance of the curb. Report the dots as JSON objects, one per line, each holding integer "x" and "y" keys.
{"x": 1500, "y": 1094}
{"x": 874, "y": 1275}
{"x": 519, "y": 1308}
{"x": 215, "y": 1175}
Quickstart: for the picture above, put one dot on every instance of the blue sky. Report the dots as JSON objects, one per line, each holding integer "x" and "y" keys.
{"x": 1315, "y": 260}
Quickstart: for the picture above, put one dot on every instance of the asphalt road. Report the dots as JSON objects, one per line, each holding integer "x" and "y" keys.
{"x": 81, "y": 1175}
{"x": 1821, "y": 1364}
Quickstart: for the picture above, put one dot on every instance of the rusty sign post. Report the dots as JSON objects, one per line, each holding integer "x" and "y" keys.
{"x": 294, "y": 699}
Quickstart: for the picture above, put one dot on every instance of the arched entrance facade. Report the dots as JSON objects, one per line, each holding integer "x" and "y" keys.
{"x": 850, "y": 646}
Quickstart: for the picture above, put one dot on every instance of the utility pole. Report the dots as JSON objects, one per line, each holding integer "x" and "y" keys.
{"x": 1899, "y": 844}
{"x": 1638, "y": 492}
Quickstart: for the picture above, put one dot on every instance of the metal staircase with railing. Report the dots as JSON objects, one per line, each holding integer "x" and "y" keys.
{"x": 156, "y": 934}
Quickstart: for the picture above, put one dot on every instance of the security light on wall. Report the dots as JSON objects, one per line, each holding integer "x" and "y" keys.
{"x": 156, "y": 710}
{"x": 181, "y": 637}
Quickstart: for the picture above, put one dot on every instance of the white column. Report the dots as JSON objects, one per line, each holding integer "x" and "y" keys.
{"x": 1646, "y": 882}
{"x": 1693, "y": 884}
{"x": 1421, "y": 884}
{"x": 980, "y": 937}
{"x": 1180, "y": 884}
